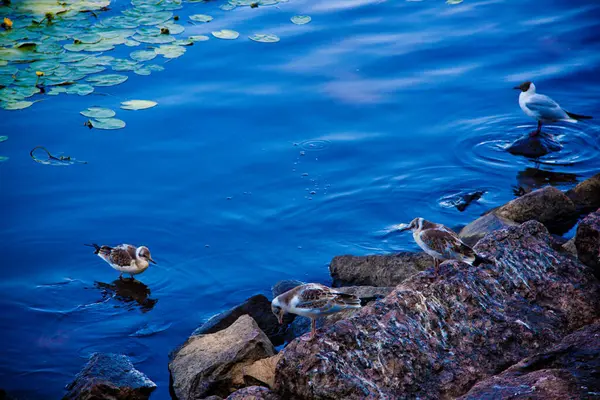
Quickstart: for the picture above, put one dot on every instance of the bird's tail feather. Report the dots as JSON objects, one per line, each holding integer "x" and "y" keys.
{"x": 95, "y": 246}
{"x": 348, "y": 299}
{"x": 577, "y": 116}
{"x": 482, "y": 260}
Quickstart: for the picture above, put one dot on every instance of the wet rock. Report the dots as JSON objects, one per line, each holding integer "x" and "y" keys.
{"x": 254, "y": 393}
{"x": 258, "y": 307}
{"x": 570, "y": 247}
{"x": 366, "y": 294}
{"x": 433, "y": 337}
{"x": 462, "y": 200}
{"x": 587, "y": 242}
{"x": 569, "y": 370}
{"x": 376, "y": 270}
{"x": 284, "y": 286}
{"x": 262, "y": 372}
{"x": 586, "y": 195}
{"x": 3, "y": 394}
{"x": 534, "y": 146}
{"x": 212, "y": 364}
{"x": 476, "y": 230}
{"x": 530, "y": 179}
{"x": 549, "y": 206}
{"x": 109, "y": 377}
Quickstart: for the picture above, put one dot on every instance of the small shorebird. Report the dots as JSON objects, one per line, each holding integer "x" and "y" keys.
{"x": 312, "y": 300}
{"x": 543, "y": 108}
{"x": 125, "y": 258}
{"x": 441, "y": 243}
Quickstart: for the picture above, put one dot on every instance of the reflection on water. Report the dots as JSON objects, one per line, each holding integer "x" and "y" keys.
{"x": 530, "y": 179}
{"x": 130, "y": 292}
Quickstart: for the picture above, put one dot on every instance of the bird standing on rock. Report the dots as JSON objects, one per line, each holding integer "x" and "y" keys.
{"x": 312, "y": 300}
{"x": 125, "y": 258}
{"x": 441, "y": 243}
{"x": 543, "y": 108}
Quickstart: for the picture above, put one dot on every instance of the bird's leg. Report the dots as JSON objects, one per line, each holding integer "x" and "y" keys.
{"x": 538, "y": 130}
{"x": 121, "y": 276}
{"x": 313, "y": 328}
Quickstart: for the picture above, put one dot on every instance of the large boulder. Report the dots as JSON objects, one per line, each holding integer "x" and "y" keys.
{"x": 254, "y": 393}
{"x": 262, "y": 372}
{"x": 569, "y": 370}
{"x": 377, "y": 270}
{"x": 549, "y": 205}
{"x": 476, "y": 230}
{"x": 434, "y": 337}
{"x": 587, "y": 242}
{"x": 586, "y": 195}
{"x": 284, "y": 286}
{"x": 109, "y": 377}
{"x": 535, "y": 146}
{"x": 213, "y": 364}
{"x": 258, "y": 307}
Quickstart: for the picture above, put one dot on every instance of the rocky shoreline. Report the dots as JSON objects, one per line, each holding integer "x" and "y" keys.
{"x": 527, "y": 327}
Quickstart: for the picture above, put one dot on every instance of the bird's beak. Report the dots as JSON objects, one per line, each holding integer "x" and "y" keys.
{"x": 152, "y": 261}
{"x": 280, "y": 317}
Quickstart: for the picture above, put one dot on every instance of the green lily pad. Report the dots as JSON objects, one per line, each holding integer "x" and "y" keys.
{"x": 2, "y": 159}
{"x": 98, "y": 113}
{"x": 123, "y": 65}
{"x": 264, "y": 38}
{"x": 55, "y": 91}
{"x": 454, "y": 1}
{"x": 158, "y": 39}
{"x": 226, "y": 34}
{"x": 198, "y": 38}
{"x": 80, "y": 89}
{"x": 3, "y": 138}
{"x": 100, "y": 46}
{"x": 144, "y": 71}
{"x": 201, "y": 18}
{"x": 89, "y": 38}
{"x": 137, "y": 104}
{"x": 143, "y": 55}
{"x": 227, "y": 7}
{"x": 17, "y": 105}
{"x": 174, "y": 29}
{"x": 170, "y": 51}
{"x": 107, "y": 123}
{"x": 301, "y": 19}
{"x": 107, "y": 80}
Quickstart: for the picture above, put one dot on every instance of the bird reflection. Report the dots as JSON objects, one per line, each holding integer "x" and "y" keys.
{"x": 533, "y": 178}
{"x": 130, "y": 292}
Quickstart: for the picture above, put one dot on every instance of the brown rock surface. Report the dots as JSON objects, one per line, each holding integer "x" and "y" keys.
{"x": 586, "y": 195}
{"x": 213, "y": 364}
{"x": 549, "y": 205}
{"x": 569, "y": 370}
{"x": 476, "y": 230}
{"x": 254, "y": 393}
{"x": 262, "y": 372}
{"x": 434, "y": 337}
{"x": 587, "y": 242}
{"x": 376, "y": 270}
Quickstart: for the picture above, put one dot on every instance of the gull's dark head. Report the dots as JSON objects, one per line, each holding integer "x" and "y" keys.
{"x": 524, "y": 87}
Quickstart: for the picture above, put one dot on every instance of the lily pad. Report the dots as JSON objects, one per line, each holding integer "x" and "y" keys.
{"x": 17, "y": 105}
{"x": 226, "y": 34}
{"x": 80, "y": 89}
{"x": 137, "y": 104}
{"x": 3, "y": 138}
{"x": 264, "y": 38}
{"x": 107, "y": 80}
{"x": 454, "y": 1}
{"x": 301, "y": 19}
{"x": 170, "y": 51}
{"x": 2, "y": 159}
{"x": 107, "y": 123}
{"x": 143, "y": 55}
{"x": 199, "y": 38}
{"x": 98, "y": 112}
{"x": 201, "y": 18}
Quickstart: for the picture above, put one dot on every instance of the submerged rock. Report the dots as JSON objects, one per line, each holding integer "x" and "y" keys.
{"x": 587, "y": 242}
{"x": 253, "y": 393}
{"x": 109, "y": 377}
{"x": 434, "y": 337}
{"x": 258, "y": 307}
{"x": 386, "y": 270}
{"x": 549, "y": 206}
{"x": 586, "y": 195}
{"x": 213, "y": 364}
{"x": 476, "y": 230}
{"x": 534, "y": 146}
{"x": 569, "y": 370}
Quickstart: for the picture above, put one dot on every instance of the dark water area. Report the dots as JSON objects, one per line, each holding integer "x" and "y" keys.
{"x": 263, "y": 161}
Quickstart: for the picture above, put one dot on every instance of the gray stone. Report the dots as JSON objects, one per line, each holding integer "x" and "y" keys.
{"x": 254, "y": 393}
{"x": 476, "y": 230}
{"x": 570, "y": 247}
{"x": 586, "y": 195}
{"x": 284, "y": 286}
{"x": 587, "y": 242}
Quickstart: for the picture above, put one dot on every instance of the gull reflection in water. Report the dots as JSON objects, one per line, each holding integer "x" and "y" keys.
{"x": 131, "y": 292}
{"x": 531, "y": 179}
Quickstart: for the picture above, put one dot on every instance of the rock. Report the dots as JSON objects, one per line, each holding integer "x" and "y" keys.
{"x": 386, "y": 270}
{"x": 284, "y": 286}
{"x": 253, "y": 393}
{"x": 461, "y": 200}
{"x": 587, "y": 242}
{"x": 5, "y": 396}
{"x": 549, "y": 206}
{"x": 534, "y": 146}
{"x": 570, "y": 247}
{"x": 569, "y": 370}
{"x": 476, "y": 230}
{"x": 586, "y": 195}
{"x": 433, "y": 337}
{"x": 258, "y": 307}
{"x": 212, "y": 364}
{"x": 109, "y": 377}
{"x": 262, "y": 372}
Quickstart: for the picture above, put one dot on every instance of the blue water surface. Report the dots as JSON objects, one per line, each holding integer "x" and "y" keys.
{"x": 263, "y": 161}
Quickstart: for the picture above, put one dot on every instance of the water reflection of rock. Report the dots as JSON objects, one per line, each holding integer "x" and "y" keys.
{"x": 128, "y": 291}
{"x": 530, "y": 179}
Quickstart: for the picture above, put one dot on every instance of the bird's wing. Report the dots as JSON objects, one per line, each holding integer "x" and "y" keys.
{"x": 121, "y": 256}
{"x": 445, "y": 242}
{"x": 543, "y": 104}
{"x": 323, "y": 298}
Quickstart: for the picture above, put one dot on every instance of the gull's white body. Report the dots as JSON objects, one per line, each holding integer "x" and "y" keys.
{"x": 542, "y": 108}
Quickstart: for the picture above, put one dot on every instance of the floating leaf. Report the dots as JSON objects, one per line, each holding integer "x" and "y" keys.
{"x": 137, "y": 104}
{"x": 158, "y": 39}
{"x": 98, "y": 112}
{"x": 80, "y": 89}
{"x": 454, "y": 1}
{"x": 17, "y": 105}
{"x": 88, "y": 38}
{"x": 198, "y": 38}
{"x": 2, "y": 159}
{"x": 301, "y": 19}
{"x": 265, "y": 38}
{"x": 201, "y": 18}
{"x": 3, "y": 138}
{"x": 143, "y": 55}
{"x": 174, "y": 29}
{"x": 55, "y": 91}
{"x": 107, "y": 80}
{"x": 227, "y": 7}
{"x": 170, "y": 51}
{"x": 226, "y": 34}
{"x": 107, "y": 123}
